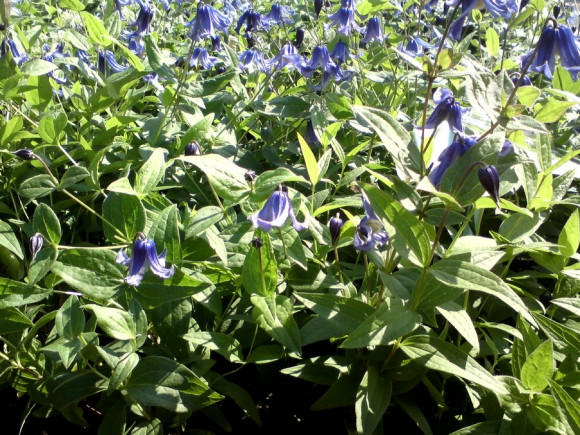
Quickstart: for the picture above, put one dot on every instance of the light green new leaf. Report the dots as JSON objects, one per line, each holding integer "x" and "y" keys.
{"x": 309, "y": 160}
{"x": 564, "y": 337}
{"x": 538, "y": 368}
{"x": 45, "y": 221}
{"x": 96, "y": 29}
{"x": 150, "y": 173}
{"x": 437, "y": 354}
{"x": 568, "y": 406}
{"x": 569, "y": 238}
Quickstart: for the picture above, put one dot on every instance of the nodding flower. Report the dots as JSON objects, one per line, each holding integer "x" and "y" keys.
{"x": 288, "y": 56}
{"x": 340, "y": 52}
{"x": 18, "y": 56}
{"x": 343, "y": 19}
{"x": 370, "y": 231}
{"x": 144, "y": 256}
{"x": 554, "y": 41}
{"x": 252, "y": 19}
{"x": 107, "y": 59}
{"x": 497, "y": 8}
{"x": 373, "y": 31}
{"x": 449, "y": 155}
{"x": 415, "y": 47}
{"x": 251, "y": 60}
{"x": 207, "y": 21}
{"x": 278, "y": 15}
{"x": 143, "y": 20}
{"x": 320, "y": 58}
{"x": 200, "y": 56}
{"x": 447, "y": 110}
{"x": 276, "y": 211}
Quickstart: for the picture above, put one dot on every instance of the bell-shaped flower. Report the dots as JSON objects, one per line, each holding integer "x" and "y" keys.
{"x": 320, "y": 59}
{"x": 447, "y": 109}
{"x": 207, "y": 22}
{"x": 251, "y": 60}
{"x": 288, "y": 56}
{"x": 497, "y": 8}
{"x": 489, "y": 179}
{"x": 276, "y": 211}
{"x": 525, "y": 80}
{"x": 18, "y": 56}
{"x": 449, "y": 156}
{"x": 84, "y": 56}
{"x": 107, "y": 61}
{"x": 252, "y": 19}
{"x": 143, "y": 20}
{"x": 50, "y": 56}
{"x": 144, "y": 256}
{"x": 340, "y": 52}
{"x": 332, "y": 73}
{"x": 201, "y": 57}
{"x": 299, "y": 36}
{"x": 415, "y": 47}
{"x": 370, "y": 231}
{"x": 554, "y": 41}
{"x": 373, "y": 31}
{"x": 343, "y": 19}
{"x": 278, "y": 15}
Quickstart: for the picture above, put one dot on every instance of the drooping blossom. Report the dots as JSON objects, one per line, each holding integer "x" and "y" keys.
{"x": 373, "y": 31}
{"x": 276, "y": 211}
{"x": 447, "y": 109}
{"x": 497, "y": 8}
{"x": 207, "y": 22}
{"x": 343, "y": 19}
{"x": 278, "y": 15}
{"x": 449, "y": 155}
{"x": 201, "y": 57}
{"x": 288, "y": 56}
{"x": 370, "y": 231}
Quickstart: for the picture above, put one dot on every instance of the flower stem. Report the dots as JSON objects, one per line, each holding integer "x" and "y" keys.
{"x": 337, "y": 262}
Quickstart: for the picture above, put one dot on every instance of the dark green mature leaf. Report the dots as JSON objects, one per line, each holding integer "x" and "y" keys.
{"x": 9, "y": 241}
{"x": 154, "y": 291}
{"x": 461, "y": 274}
{"x": 565, "y": 338}
{"x": 202, "y": 220}
{"x": 373, "y": 397}
{"x": 346, "y": 314}
{"x": 569, "y": 407}
{"x": 239, "y": 395}
{"x": 437, "y": 354}
{"x": 405, "y": 230}
{"x": 394, "y": 137}
{"x": 13, "y": 320}
{"x": 284, "y": 107}
{"x": 160, "y": 381}
{"x": 151, "y": 173}
{"x": 227, "y": 178}
{"x": 390, "y": 322}
{"x": 70, "y": 319}
{"x": 72, "y": 176}
{"x": 116, "y": 323}
{"x": 260, "y": 272}
{"x": 522, "y": 348}
{"x": 211, "y": 85}
{"x": 37, "y": 186}
{"x": 226, "y": 345}
{"x": 93, "y": 272}
{"x": 68, "y": 388}
{"x": 45, "y": 222}
{"x": 122, "y": 371}
{"x": 165, "y": 233}
{"x": 16, "y": 294}
{"x": 42, "y": 264}
{"x": 274, "y": 314}
{"x": 127, "y": 215}
{"x": 538, "y": 368}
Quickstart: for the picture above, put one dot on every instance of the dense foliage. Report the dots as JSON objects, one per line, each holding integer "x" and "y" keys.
{"x": 311, "y": 215}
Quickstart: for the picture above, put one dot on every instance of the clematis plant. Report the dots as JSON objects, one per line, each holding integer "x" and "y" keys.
{"x": 276, "y": 211}
{"x": 144, "y": 255}
{"x": 497, "y": 8}
{"x": 207, "y": 21}
{"x": 343, "y": 19}
{"x": 457, "y": 148}
{"x": 448, "y": 109}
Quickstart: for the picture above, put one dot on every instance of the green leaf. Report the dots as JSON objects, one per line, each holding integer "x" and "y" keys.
{"x": 17, "y": 294}
{"x": 70, "y": 319}
{"x": 9, "y": 241}
{"x": 42, "y": 264}
{"x": 68, "y": 388}
{"x": 254, "y": 282}
{"x": 38, "y": 67}
{"x": 37, "y": 186}
{"x": 467, "y": 276}
{"x": 372, "y": 400}
{"x": 150, "y": 173}
{"x": 524, "y": 346}
{"x": 460, "y": 320}
{"x": 96, "y": 29}
{"x": 73, "y": 5}
{"x": 437, "y": 354}
{"x": 569, "y": 238}
{"x": 569, "y": 407}
{"x": 122, "y": 371}
{"x": 284, "y": 107}
{"x": 239, "y": 395}
{"x": 93, "y": 272}
{"x": 116, "y": 323}
{"x": 227, "y": 178}
{"x": 309, "y": 161}
{"x": 553, "y": 109}
{"x": 527, "y": 95}
{"x": 198, "y": 131}
{"x": 405, "y": 230}
{"x": 165, "y": 232}
{"x": 346, "y": 314}
{"x": 518, "y": 226}
{"x": 226, "y": 345}
{"x": 127, "y": 215}
{"x": 570, "y": 304}
{"x": 564, "y": 337}
{"x": 160, "y": 381}
{"x": 203, "y": 219}
{"x": 390, "y": 322}
{"x": 45, "y": 221}
{"x": 154, "y": 291}
{"x": 546, "y": 416}
{"x": 538, "y": 368}
{"x": 72, "y": 176}
{"x": 274, "y": 314}
{"x": 268, "y": 181}
{"x": 492, "y": 41}
{"x": 13, "y": 320}
{"x": 393, "y": 136}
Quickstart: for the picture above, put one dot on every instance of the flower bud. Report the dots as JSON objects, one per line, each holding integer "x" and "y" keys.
{"x": 192, "y": 149}
{"x": 299, "y": 36}
{"x": 489, "y": 179}
{"x": 25, "y": 154}
{"x": 556, "y": 11}
{"x": 36, "y": 243}
{"x": 318, "y": 7}
{"x": 257, "y": 242}
{"x": 250, "y": 175}
{"x": 335, "y": 224}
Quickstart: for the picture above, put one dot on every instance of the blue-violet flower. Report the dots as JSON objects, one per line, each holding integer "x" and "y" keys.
{"x": 276, "y": 211}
